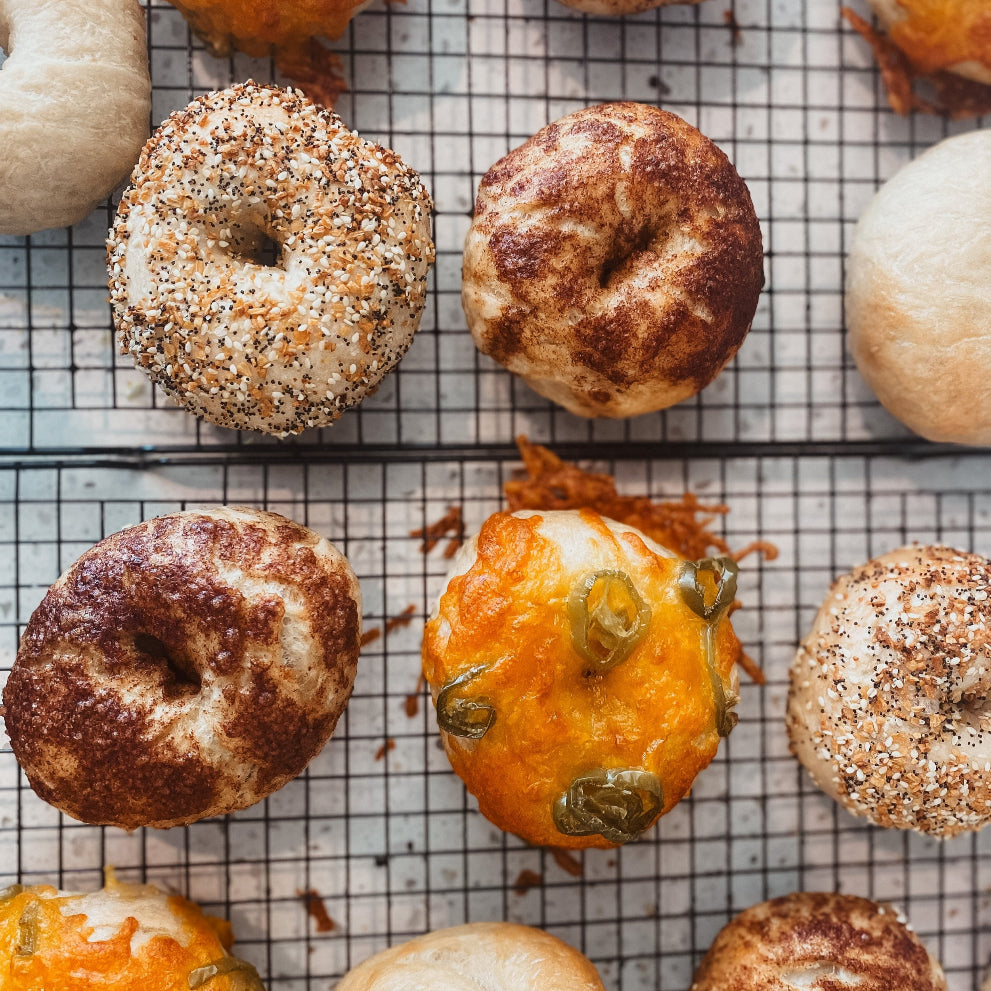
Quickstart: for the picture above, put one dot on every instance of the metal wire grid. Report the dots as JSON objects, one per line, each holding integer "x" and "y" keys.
{"x": 395, "y": 846}
{"x": 389, "y": 837}
{"x": 453, "y": 84}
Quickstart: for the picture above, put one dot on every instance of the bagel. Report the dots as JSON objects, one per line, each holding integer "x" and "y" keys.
{"x": 582, "y": 674}
{"x": 609, "y": 8}
{"x": 124, "y": 937}
{"x": 917, "y": 303}
{"x": 496, "y": 956}
{"x": 275, "y": 348}
{"x": 183, "y": 668}
{"x": 818, "y": 942}
{"x": 614, "y": 261}
{"x": 887, "y": 705}
{"x": 75, "y": 98}
{"x": 940, "y": 35}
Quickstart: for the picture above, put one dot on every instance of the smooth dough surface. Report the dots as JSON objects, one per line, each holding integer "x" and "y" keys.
{"x": 75, "y": 98}
{"x": 479, "y": 956}
{"x": 918, "y": 294}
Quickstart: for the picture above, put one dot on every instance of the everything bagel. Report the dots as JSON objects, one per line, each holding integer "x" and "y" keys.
{"x": 255, "y": 346}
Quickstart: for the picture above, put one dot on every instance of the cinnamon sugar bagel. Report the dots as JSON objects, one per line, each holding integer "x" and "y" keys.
{"x": 888, "y": 704}
{"x": 614, "y": 261}
{"x": 184, "y": 667}
{"x": 818, "y": 942}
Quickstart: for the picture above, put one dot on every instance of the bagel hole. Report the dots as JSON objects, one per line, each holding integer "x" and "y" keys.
{"x": 181, "y": 677}
{"x": 624, "y": 252}
{"x": 255, "y": 247}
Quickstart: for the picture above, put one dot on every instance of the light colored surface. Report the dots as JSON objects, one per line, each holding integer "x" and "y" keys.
{"x": 919, "y": 292}
{"x": 74, "y": 102}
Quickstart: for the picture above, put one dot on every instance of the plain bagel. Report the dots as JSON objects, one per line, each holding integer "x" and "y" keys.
{"x": 184, "y": 667}
{"x": 75, "y": 98}
{"x": 496, "y": 956}
{"x": 917, "y": 302}
{"x": 614, "y": 261}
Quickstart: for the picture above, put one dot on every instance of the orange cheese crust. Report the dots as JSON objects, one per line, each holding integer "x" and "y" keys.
{"x": 938, "y": 34}
{"x": 286, "y": 30}
{"x": 47, "y": 944}
{"x": 554, "y": 720}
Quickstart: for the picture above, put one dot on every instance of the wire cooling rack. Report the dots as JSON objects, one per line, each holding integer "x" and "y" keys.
{"x": 788, "y": 436}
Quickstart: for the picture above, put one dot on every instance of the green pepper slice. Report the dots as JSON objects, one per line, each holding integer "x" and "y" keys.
{"x": 608, "y": 618}
{"x": 243, "y": 976}
{"x": 726, "y": 719}
{"x": 27, "y": 930}
{"x": 615, "y": 803}
{"x": 461, "y": 716}
{"x": 709, "y": 603}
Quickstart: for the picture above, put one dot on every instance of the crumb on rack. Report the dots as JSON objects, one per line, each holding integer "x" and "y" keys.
{"x": 317, "y": 910}
{"x": 412, "y": 701}
{"x": 451, "y": 522}
{"x": 735, "y": 34}
{"x": 526, "y": 880}
{"x": 389, "y": 744}
{"x": 567, "y": 861}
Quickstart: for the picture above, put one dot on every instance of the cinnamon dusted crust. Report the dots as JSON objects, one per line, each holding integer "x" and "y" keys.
{"x": 614, "y": 261}
{"x": 496, "y": 956}
{"x": 820, "y": 942}
{"x": 888, "y": 705}
{"x": 183, "y": 668}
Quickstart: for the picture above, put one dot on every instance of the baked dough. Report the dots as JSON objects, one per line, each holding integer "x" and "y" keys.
{"x": 479, "y": 956}
{"x": 941, "y": 35}
{"x": 818, "y": 942}
{"x": 610, "y": 8}
{"x": 124, "y": 937}
{"x": 184, "y": 667}
{"x": 75, "y": 98}
{"x": 580, "y": 682}
{"x": 614, "y": 261}
{"x": 888, "y": 702}
{"x": 918, "y": 296}
{"x": 256, "y": 346}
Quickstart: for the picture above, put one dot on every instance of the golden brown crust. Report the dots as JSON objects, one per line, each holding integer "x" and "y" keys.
{"x": 505, "y": 631}
{"x": 183, "y": 668}
{"x": 887, "y": 706}
{"x": 614, "y": 261}
{"x": 818, "y": 941}
{"x": 124, "y": 937}
{"x": 499, "y": 956}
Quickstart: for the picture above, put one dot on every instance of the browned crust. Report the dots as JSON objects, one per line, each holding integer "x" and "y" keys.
{"x": 816, "y": 933}
{"x": 106, "y": 728}
{"x": 625, "y": 253}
